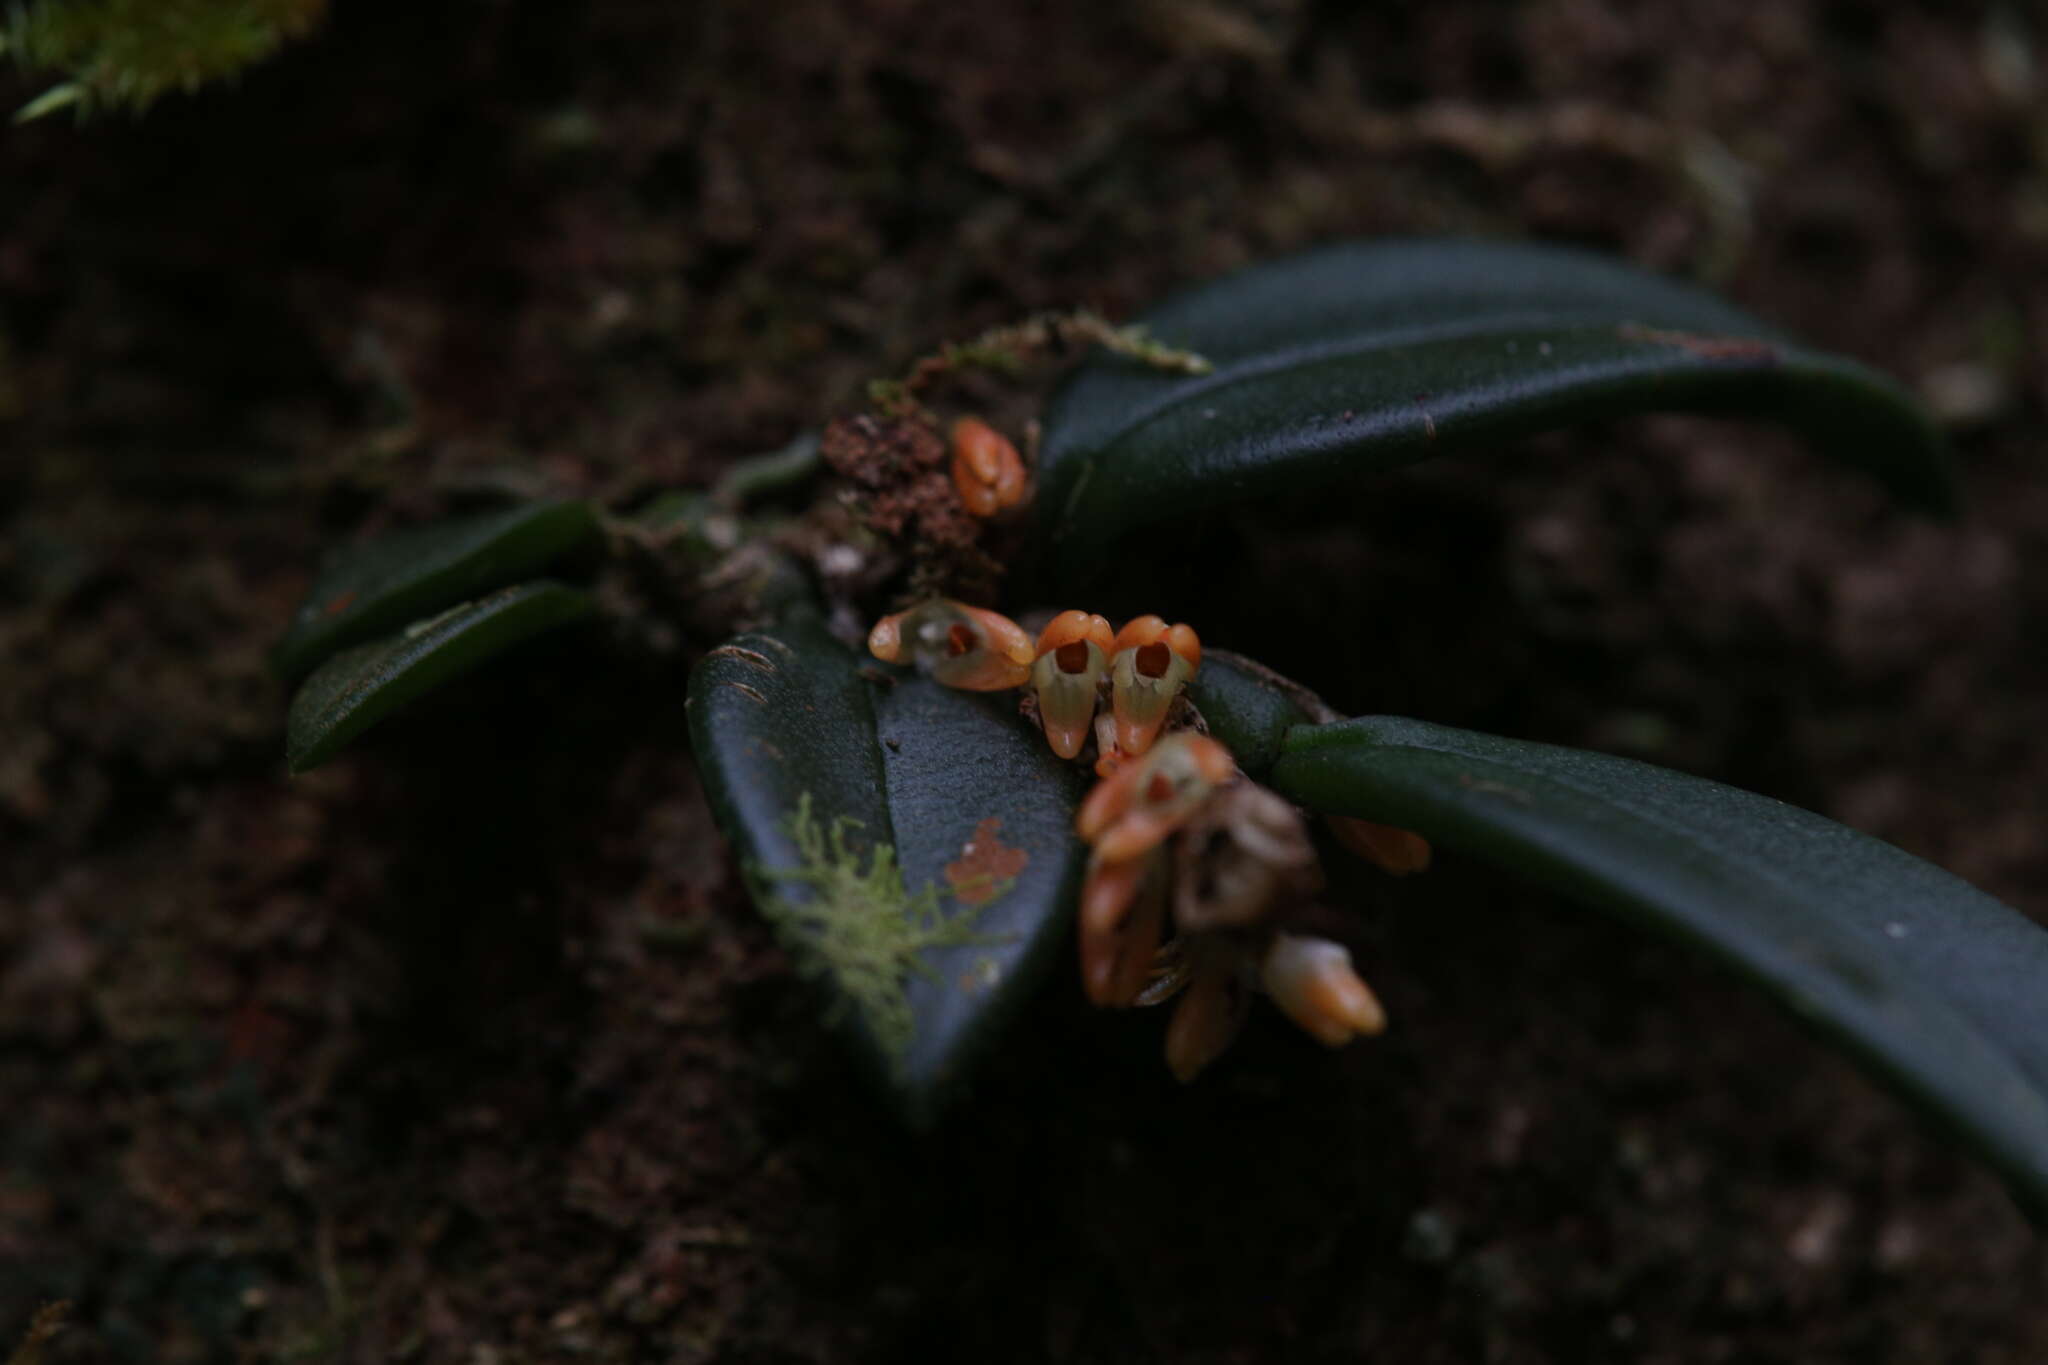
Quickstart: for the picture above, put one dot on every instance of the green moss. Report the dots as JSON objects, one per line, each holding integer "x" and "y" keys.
{"x": 860, "y": 928}
{"x": 127, "y": 53}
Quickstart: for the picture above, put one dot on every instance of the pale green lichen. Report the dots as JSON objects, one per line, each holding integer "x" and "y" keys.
{"x": 860, "y": 929}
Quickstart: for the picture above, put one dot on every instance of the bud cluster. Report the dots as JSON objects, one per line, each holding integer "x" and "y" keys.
{"x": 1194, "y": 869}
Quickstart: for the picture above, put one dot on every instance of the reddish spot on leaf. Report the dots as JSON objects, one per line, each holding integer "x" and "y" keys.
{"x": 339, "y": 604}
{"x": 986, "y": 863}
{"x": 1706, "y": 347}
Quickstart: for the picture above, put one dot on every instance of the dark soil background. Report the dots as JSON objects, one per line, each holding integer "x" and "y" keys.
{"x": 468, "y": 1047}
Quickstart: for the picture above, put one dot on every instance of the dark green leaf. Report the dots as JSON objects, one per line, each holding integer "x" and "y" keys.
{"x": 1367, "y": 356}
{"x": 1939, "y": 987}
{"x": 795, "y": 735}
{"x": 1250, "y": 708}
{"x": 374, "y": 588}
{"x": 359, "y": 687}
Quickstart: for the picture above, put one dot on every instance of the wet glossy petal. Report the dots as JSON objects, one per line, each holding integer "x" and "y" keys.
{"x": 1123, "y": 918}
{"x": 1072, "y": 659}
{"x": 988, "y": 474}
{"x": 1152, "y": 661}
{"x": 971, "y": 648}
{"x": 1144, "y": 801}
{"x": 1313, "y": 982}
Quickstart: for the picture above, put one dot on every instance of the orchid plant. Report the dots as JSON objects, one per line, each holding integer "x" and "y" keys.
{"x": 928, "y": 796}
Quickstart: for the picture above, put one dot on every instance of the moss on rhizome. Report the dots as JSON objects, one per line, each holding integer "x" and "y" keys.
{"x": 860, "y": 929}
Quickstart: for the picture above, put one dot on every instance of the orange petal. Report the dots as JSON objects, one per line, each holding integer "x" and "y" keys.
{"x": 1148, "y": 630}
{"x": 958, "y": 645}
{"x": 1136, "y": 832}
{"x": 977, "y": 497}
{"x": 979, "y": 446}
{"x": 988, "y": 674}
{"x": 1313, "y": 981}
{"x": 1147, "y": 799}
{"x": 1006, "y": 636}
{"x": 885, "y": 641}
{"x": 1070, "y": 626}
{"x": 1143, "y": 681}
{"x": 1106, "y": 803}
{"x": 1396, "y": 851}
{"x": 1140, "y": 630}
{"x": 1066, "y": 681}
{"x": 1207, "y": 1019}
{"x": 987, "y": 472}
{"x": 1010, "y": 484}
{"x": 1123, "y": 916}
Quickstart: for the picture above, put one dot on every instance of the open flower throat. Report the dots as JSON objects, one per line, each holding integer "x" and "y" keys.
{"x": 1196, "y": 872}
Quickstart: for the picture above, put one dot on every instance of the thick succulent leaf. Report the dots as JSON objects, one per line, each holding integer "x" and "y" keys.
{"x": 1367, "y": 356}
{"x": 795, "y": 734}
{"x": 358, "y": 687}
{"x": 374, "y": 588}
{"x": 1250, "y": 708}
{"x": 1942, "y": 989}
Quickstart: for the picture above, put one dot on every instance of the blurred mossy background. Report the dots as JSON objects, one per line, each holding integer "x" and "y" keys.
{"x": 125, "y": 54}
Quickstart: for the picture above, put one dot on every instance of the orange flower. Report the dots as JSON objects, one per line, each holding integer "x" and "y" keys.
{"x": 1073, "y": 654}
{"x": 1123, "y": 918}
{"x": 1151, "y": 662}
{"x": 987, "y": 472}
{"x": 1136, "y": 807}
{"x": 966, "y": 647}
{"x": 1312, "y": 980}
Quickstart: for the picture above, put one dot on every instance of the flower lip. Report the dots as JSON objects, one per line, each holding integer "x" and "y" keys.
{"x": 1072, "y": 657}
{"x": 1152, "y": 661}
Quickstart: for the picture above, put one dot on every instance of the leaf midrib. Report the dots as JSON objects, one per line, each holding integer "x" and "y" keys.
{"x": 1232, "y": 373}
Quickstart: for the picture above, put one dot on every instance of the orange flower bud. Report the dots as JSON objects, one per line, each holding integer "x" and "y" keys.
{"x": 1151, "y": 663}
{"x": 1123, "y": 917}
{"x": 1208, "y": 1017}
{"x": 1312, "y": 980}
{"x": 971, "y": 648}
{"x": 987, "y": 472}
{"x": 1073, "y": 654}
{"x": 1396, "y": 851}
{"x": 1137, "y": 806}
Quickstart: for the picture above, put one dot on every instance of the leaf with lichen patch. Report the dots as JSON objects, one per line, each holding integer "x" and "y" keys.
{"x": 862, "y": 931}
{"x": 798, "y": 739}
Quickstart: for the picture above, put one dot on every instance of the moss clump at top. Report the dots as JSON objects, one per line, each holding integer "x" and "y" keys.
{"x": 125, "y": 54}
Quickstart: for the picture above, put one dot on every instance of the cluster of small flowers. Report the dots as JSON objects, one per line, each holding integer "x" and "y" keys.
{"x": 1075, "y": 660}
{"x": 1173, "y": 825}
